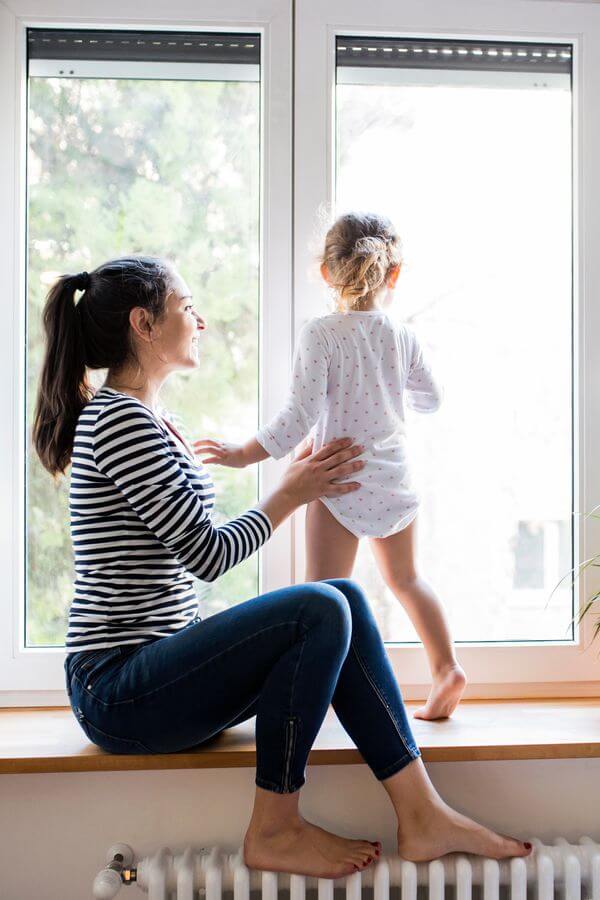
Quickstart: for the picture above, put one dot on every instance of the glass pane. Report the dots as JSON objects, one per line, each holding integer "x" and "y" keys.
{"x": 477, "y": 179}
{"x": 169, "y": 168}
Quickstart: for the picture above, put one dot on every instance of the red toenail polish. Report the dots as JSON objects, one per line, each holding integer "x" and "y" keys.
{"x": 527, "y": 845}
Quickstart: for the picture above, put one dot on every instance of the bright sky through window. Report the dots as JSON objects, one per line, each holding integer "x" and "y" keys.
{"x": 476, "y": 173}
{"x": 122, "y": 165}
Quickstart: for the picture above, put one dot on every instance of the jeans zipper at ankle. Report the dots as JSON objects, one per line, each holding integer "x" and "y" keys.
{"x": 290, "y": 741}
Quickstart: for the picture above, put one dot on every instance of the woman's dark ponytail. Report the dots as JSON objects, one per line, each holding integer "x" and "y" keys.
{"x": 92, "y": 333}
{"x": 63, "y": 389}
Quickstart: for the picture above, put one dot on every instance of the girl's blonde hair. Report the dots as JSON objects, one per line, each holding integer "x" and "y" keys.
{"x": 360, "y": 250}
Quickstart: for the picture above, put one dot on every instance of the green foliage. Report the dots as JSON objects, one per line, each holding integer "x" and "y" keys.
{"x": 168, "y": 168}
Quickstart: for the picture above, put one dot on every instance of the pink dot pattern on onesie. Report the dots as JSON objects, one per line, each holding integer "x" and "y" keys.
{"x": 355, "y": 375}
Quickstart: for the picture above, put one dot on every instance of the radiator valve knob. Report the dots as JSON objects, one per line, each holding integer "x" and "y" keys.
{"x": 107, "y": 884}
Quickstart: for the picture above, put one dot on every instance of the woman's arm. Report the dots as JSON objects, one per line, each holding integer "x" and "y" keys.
{"x": 130, "y": 449}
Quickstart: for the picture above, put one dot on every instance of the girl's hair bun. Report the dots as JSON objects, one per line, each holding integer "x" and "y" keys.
{"x": 360, "y": 250}
{"x": 366, "y": 246}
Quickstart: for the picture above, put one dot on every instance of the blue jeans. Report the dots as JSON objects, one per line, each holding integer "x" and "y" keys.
{"x": 282, "y": 657}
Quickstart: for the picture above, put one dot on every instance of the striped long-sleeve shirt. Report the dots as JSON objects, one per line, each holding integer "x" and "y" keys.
{"x": 141, "y": 527}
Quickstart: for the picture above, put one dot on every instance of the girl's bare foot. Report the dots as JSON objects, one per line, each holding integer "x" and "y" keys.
{"x": 433, "y": 833}
{"x": 447, "y": 689}
{"x": 305, "y": 849}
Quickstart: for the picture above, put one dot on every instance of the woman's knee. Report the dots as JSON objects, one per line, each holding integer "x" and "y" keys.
{"x": 351, "y": 590}
{"x": 355, "y": 596}
{"x": 327, "y": 603}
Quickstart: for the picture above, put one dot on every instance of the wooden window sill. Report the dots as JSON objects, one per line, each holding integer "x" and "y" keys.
{"x": 36, "y": 740}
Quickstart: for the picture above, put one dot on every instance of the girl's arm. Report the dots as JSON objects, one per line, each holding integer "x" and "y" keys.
{"x": 293, "y": 422}
{"x": 307, "y": 395}
{"x": 423, "y": 393}
{"x": 237, "y": 456}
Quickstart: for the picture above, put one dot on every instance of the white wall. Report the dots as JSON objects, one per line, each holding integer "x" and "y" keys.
{"x": 55, "y": 829}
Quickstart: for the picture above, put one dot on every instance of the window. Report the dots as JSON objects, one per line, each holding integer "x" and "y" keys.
{"x": 358, "y": 127}
{"x": 146, "y": 142}
{"x": 529, "y": 556}
{"x": 466, "y": 145}
{"x": 175, "y": 141}
{"x": 485, "y": 161}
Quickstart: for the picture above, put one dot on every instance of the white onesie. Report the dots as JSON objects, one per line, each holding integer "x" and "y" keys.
{"x": 353, "y": 375}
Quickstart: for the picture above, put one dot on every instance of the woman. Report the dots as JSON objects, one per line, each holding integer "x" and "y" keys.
{"x": 144, "y": 673}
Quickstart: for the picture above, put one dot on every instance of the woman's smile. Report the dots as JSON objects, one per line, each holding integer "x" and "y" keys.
{"x": 181, "y": 326}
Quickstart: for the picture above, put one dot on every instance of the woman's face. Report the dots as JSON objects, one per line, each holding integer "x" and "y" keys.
{"x": 177, "y": 334}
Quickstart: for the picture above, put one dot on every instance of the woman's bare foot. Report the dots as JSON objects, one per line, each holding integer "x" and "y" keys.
{"x": 428, "y": 828}
{"x": 305, "y": 849}
{"x": 444, "y": 830}
{"x": 332, "y": 844}
{"x": 447, "y": 689}
{"x": 280, "y": 840}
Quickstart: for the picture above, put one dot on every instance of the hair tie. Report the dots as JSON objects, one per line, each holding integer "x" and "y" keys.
{"x": 82, "y": 281}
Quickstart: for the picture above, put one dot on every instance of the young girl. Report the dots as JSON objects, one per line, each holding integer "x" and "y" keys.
{"x": 354, "y": 374}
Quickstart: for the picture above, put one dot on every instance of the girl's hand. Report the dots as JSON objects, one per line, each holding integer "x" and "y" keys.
{"x": 221, "y": 453}
{"x": 313, "y": 475}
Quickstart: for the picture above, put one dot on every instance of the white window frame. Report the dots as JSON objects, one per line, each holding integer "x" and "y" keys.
{"x": 35, "y": 676}
{"x": 494, "y": 670}
{"x": 288, "y": 297}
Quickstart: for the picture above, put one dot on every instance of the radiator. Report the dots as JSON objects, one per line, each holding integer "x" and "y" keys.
{"x": 569, "y": 871}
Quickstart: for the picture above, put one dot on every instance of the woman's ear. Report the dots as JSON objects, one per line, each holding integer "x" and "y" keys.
{"x": 393, "y": 276}
{"x": 140, "y": 322}
{"x": 325, "y": 273}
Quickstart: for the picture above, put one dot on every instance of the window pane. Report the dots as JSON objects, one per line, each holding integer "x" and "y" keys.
{"x": 168, "y": 168}
{"x": 475, "y": 171}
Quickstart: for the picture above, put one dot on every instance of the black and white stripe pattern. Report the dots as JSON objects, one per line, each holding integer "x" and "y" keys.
{"x": 141, "y": 527}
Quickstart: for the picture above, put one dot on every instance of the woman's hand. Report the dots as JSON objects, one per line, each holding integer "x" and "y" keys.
{"x": 223, "y": 454}
{"x": 313, "y": 475}
{"x": 319, "y": 474}
{"x": 309, "y": 476}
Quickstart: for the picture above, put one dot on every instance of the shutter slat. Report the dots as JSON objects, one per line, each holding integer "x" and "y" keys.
{"x": 145, "y": 46}
{"x": 422, "y": 53}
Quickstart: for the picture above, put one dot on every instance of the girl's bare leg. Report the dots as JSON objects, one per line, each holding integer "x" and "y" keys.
{"x": 280, "y": 840}
{"x": 395, "y": 557}
{"x": 428, "y": 828}
{"x": 330, "y": 548}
